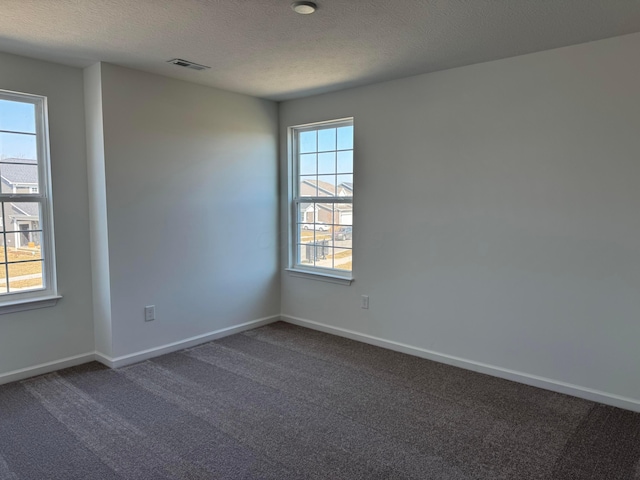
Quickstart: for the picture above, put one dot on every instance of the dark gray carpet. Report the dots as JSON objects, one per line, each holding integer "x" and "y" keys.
{"x": 283, "y": 402}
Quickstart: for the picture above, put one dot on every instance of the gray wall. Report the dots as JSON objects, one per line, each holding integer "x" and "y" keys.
{"x": 39, "y": 336}
{"x": 192, "y": 208}
{"x": 496, "y": 214}
{"x": 98, "y": 207}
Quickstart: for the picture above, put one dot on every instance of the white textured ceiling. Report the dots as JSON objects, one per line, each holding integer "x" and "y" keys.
{"x": 262, "y": 48}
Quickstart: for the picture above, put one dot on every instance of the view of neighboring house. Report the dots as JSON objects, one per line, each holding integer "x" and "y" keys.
{"x": 345, "y": 189}
{"x": 320, "y": 212}
{"x": 20, "y": 176}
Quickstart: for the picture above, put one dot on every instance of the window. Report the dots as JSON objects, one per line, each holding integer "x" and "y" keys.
{"x": 322, "y": 199}
{"x": 26, "y": 223}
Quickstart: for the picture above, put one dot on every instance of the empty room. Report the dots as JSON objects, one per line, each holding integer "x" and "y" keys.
{"x": 339, "y": 239}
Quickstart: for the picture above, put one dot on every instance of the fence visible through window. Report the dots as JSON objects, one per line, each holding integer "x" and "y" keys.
{"x": 323, "y": 196}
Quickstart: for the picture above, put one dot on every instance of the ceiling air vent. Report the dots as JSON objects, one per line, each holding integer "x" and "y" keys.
{"x": 187, "y": 64}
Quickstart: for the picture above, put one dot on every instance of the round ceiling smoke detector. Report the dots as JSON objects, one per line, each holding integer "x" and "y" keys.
{"x": 304, "y": 8}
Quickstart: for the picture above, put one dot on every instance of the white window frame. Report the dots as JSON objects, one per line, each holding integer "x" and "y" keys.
{"x": 296, "y": 268}
{"x": 48, "y": 295}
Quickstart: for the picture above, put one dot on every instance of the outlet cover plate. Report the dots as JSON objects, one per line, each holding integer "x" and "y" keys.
{"x": 149, "y": 313}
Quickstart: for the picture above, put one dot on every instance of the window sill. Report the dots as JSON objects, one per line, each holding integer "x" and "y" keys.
{"x": 323, "y": 277}
{"x": 29, "y": 304}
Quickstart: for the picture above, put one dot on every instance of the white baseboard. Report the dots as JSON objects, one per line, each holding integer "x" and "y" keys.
{"x": 533, "y": 380}
{"x": 525, "y": 378}
{"x": 136, "y": 357}
{"x": 48, "y": 367}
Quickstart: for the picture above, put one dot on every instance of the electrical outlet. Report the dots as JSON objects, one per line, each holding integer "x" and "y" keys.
{"x": 365, "y": 301}
{"x": 149, "y": 313}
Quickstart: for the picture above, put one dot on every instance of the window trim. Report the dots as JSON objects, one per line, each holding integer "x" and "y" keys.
{"x": 294, "y": 269}
{"x": 47, "y": 296}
